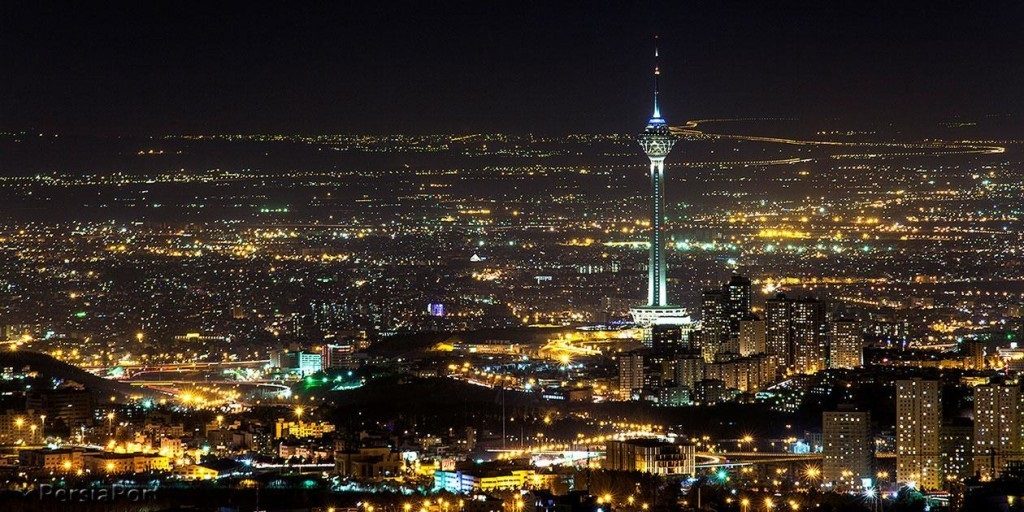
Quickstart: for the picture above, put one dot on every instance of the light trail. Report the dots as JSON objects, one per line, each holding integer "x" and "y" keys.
{"x": 691, "y": 128}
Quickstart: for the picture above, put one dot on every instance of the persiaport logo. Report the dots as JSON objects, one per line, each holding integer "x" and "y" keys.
{"x": 113, "y": 492}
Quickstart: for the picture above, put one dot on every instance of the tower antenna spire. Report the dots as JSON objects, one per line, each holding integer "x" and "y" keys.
{"x": 657, "y": 71}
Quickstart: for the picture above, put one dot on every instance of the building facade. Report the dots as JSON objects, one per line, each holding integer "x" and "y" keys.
{"x": 847, "y": 448}
{"x": 778, "y": 341}
{"x": 998, "y": 429}
{"x": 752, "y": 338}
{"x": 631, "y": 373}
{"x": 650, "y": 456}
{"x": 918, "y": 428}
{"x": 846, "y": 344}
{"x": 808, "y": 335}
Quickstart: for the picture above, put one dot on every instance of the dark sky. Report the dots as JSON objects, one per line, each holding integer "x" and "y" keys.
{"x": 546, "y": 67}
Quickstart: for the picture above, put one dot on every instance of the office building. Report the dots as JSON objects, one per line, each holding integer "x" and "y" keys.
{"x": 297, "y": 361}
{"x": 669, "y": 338}
{"x": 674, "y": 396}
{"x": 335, "y": 357}
{"x": 711, "y": 392}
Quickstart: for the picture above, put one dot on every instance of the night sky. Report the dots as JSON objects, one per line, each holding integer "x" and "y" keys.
{"x": 542, "y": 67}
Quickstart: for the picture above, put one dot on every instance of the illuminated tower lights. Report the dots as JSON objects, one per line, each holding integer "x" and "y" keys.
{"x": 657, "y": 141}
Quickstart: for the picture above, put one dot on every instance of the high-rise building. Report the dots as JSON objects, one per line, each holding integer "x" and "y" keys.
{"x": 722, "y": 313}
{"x": 688, "y": 369}
{"x": 956, "y": 444}
{"x": 737, "y": 303}
{"x": 848, "y": 450}
{"x": 631, "y": 373}
{"x": 846, "y": 348}
{"x": 713, "y": 322}
{"x": 753, "y": 337}
{"x": 778, "y": 339}
{"x": 657, "y": 141}
{"x": 918, "y": 424}
{"x": 808, "y": 335}
{"x": 796, "y": 332}
{"x": 655, "y": 365}
{"x": 998, "y": 428}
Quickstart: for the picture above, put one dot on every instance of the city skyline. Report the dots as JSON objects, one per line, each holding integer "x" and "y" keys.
{"x": 512, "y": 257}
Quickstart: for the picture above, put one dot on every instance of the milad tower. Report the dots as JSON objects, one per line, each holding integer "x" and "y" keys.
{"x": 657, "y": 141}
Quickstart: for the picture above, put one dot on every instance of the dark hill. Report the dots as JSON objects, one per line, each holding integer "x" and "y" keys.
{"x": 49, "y": 367}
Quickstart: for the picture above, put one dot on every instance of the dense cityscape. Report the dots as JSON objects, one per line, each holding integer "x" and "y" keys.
{"x": 711, "y": 314}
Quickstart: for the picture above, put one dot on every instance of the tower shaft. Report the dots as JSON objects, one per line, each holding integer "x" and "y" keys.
{"x": 657, "y": 291}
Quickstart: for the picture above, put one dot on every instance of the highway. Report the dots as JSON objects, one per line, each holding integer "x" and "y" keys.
{"x": 691, "y": 128}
